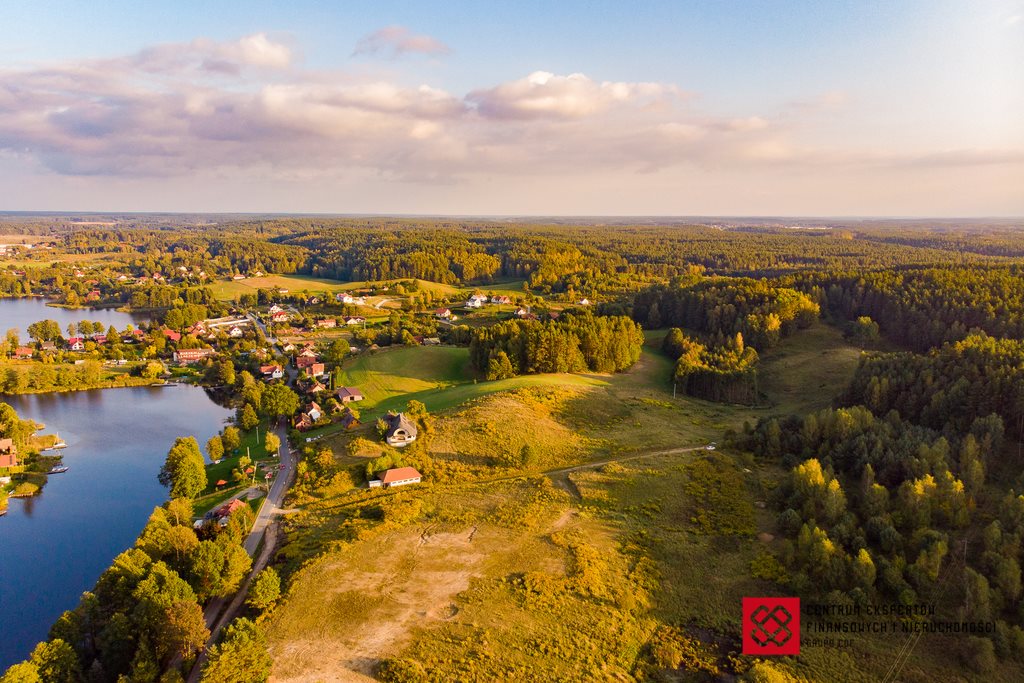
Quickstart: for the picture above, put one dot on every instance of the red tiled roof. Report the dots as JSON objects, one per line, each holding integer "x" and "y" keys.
{"x": 400, "y": 474}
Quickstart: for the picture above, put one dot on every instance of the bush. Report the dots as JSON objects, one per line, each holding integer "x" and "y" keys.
{"x": 401, "y": 671}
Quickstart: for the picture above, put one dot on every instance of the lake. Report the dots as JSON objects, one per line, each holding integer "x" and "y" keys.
{"x": 20, "y": 313}
{"x": 55, "y": 546}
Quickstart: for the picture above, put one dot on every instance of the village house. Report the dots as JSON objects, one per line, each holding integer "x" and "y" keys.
{"x": 275, "y": 309}
{"x": 100, "y": 338}
{"x": 22, "y": 353}
{"x": 316, "y": 370}
{"x": 401, "y": 430}
{"x": 238, "y": 277}
{"x": 302, "y": 362}
{"x": 474, "y": 303}
{"x": 8, "y": 453}
{"x": 272, "y": 371}
{"x": 355, "y": 320}
{"x": 501, "y": 299}
{"x": 280, "y": 317}
{"x": 76, "y": 344}
{"x": 443, "y": 314}
{"x": 399, "y": 476}
{"x": 94, "y": 295}
{"x": 308, "y": 417}
{"x": 347, "y": 298}
{"x": 236, "y": 332}
{"x": 189, "y": 356}
{"x": 315, "y": 386}
{"x": 172, "y": 335}
{"x": 48, "y": 346}
{"x": 349, "y": 394}
{"x": 327, "y": 323}
{"x": 583, "y": 302}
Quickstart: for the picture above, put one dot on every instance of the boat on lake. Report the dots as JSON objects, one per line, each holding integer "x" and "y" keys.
{"x": 58, "y": 469}
{"x": 58, "y": 443}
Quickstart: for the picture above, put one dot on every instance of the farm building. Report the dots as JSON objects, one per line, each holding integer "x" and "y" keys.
{"x": 396, "y": 477}
{"x": 349, "y": 394}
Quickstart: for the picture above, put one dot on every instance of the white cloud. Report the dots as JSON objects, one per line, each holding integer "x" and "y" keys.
{"x": 545, "y": 95}
{"x": 244, "y": 109}
{"x": 394, "y": 41}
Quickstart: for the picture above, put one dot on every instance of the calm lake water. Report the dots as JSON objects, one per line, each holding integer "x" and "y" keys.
{"x": 20, "y": 313}
{"x": 55, "y": 546}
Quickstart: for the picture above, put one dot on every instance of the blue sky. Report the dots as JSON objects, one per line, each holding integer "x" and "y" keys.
{"x": 839, "y": 108}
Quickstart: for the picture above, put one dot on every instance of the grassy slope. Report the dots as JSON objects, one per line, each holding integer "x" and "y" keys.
{"x": 453, "y": 574}
{"x": 227, "y": 290}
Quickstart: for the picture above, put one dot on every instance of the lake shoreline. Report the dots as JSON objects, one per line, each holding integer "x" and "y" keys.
{"x": 58, "y": 544}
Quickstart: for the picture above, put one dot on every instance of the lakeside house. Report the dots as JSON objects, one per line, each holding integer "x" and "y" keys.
{"x": 76, "y": 344}
{"x": 401, "y": 430}
{"x": 400, "y": 476}
{"x": 189, "y": 356}
{"x": 349, "y": 394}
{"x": 8, "y": 453}
{"x": 22, "y": 353}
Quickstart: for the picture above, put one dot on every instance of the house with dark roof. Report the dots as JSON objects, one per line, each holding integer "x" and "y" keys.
{"x": 349, "y": 394}
{"x": 401, "y": 430}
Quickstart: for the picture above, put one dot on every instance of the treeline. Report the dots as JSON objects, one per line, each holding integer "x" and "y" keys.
{"x": 438, "y": 255}
{"x": 922, "y": 308}
{"x": 572, "y": 343}
{"x": 948, "y": 388}
{"x": 214, "y": 251}
{"x": 762, "y": 313}
{"x": 726, "y": 372}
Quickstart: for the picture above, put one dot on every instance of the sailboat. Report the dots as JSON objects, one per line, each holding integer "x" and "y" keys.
{"x": 58, "y": 442}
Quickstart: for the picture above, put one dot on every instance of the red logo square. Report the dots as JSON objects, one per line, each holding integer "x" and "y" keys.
{"x": 771, "y": 626}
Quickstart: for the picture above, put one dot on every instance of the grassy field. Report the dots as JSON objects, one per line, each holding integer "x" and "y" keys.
{"x": 425, "y": 285}
{"x": 439, "y": 376}
{"x": 625, "y": 570}
{"x": 228, "y": 290}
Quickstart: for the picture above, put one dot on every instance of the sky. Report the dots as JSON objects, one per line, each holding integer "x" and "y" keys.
{"x": 897, "y": 108}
